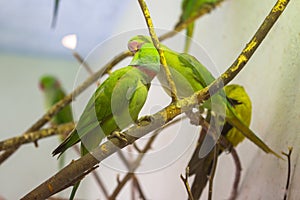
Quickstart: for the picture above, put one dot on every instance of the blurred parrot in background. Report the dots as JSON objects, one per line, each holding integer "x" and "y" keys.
{"x": 53, "y": 93}
{"x": 201, "y": 167}
{"x": 190, "y": 8}
{"x": 115, "y": 104}
{"x": 189, "y": 76}
{"x": 55, "y": 13}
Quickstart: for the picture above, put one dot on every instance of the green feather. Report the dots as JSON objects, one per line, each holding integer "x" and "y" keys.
{"x": 190, "y": 71}
{"x": 115, "y": 105}
{"x": 201, "y": 167}
{"x": 55, "y": 13}
{"x": 190, "y": 8}
{"x": 105, "y": 111}
{"x": 53, "y": 93}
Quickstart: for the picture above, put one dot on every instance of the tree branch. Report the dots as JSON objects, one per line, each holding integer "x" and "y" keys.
{"x": 15, "y": 142}
{"x": 138, "y": 160}
{"x": 213, "y": 172}
{"x": 156, "y": 43}
{"x": 71, "y": 172}
{"x": 86, "y": 66}
{"x": 139, "y": 188}
{"x": 106, "y": 69}
{"x": 288, "y": 155}
{"x": 237, "y": 178}
{"x": 185, "y": 181}
{"x": 65, "y": 101}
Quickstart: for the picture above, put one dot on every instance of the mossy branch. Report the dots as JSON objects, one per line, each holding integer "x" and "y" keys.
{"x": 67, "y": 100}
{"x": 74, "y": 170}
{"x": 106, "y": 69}
{"x": 30, "y": 137}
{"x": 156, "y": 44}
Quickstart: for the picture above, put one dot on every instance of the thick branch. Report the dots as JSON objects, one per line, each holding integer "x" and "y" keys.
{"x": 75, "y": 169}
{"x": 106, "y": 69}
{"x": 65, "y": 101}
{"x": 250, "y": 48}
{"x": 35, "y": 136}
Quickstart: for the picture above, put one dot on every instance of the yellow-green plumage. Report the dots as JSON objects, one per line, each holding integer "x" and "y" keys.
{"x": 114, "y": 105}
{"x": 201, "y": 167}
{"x": 191, "y": 72}
{"x": 190, "y": 8}
{"x": 243, "y": 108}
{"x": 53, "y": 93}
{"x": 124, "y": 90}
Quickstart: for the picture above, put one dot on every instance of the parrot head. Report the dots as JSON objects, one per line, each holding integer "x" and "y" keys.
{"x": 137, "y": 42}
{"x": 147, "y": 60}
{"x": 48, "y": 82}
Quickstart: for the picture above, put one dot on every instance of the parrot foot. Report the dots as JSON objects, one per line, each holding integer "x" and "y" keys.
{"x": 145, "y": 120}
{"x": 119, "y": 135}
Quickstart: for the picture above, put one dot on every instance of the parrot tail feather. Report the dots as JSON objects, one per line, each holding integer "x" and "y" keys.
{"x": 72, "y": 139}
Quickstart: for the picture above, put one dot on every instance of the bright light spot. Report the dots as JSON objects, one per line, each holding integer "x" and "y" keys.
{"x": 69, "y": 41}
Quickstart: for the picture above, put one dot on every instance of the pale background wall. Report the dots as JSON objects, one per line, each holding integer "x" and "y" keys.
{"x": 29, "y": 49}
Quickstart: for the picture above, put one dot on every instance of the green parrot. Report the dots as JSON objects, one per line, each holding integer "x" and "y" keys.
{"x": 55, "y": 13}
{"x": 115, "y": 104}
{"x": 189, "y": 75}
{"x": 201, "y": 167}
{"x": 53, "y": 92}
{"x": 190, "y": 8}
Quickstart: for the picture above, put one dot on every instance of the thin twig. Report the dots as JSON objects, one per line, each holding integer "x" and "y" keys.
{"x": 93, "y": 78}
{"x": 101, "y": 184}
{"x": 238, "y": 169}
{"x": 65, "y": 101}
{"x": 133, "y": 188}
{"x": 129, "y": 166}
{"x": 139, "y": 188}
{"x": 121, "y": 184}
{"x": 288, "y": 155}
{"x": 226, "y": 144}
{"x": 155, "y": 41}
{"x": 29, "y": 137}
{"x": 138, "y": 160}
{"x": 78, "y": 167}
{"x": 185, "y": 181}
{"x": 213, "y": 172}
{"x": 84, "y": 64}
{"x": 123, "y": 159}
{"x": 133, "y": 166}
